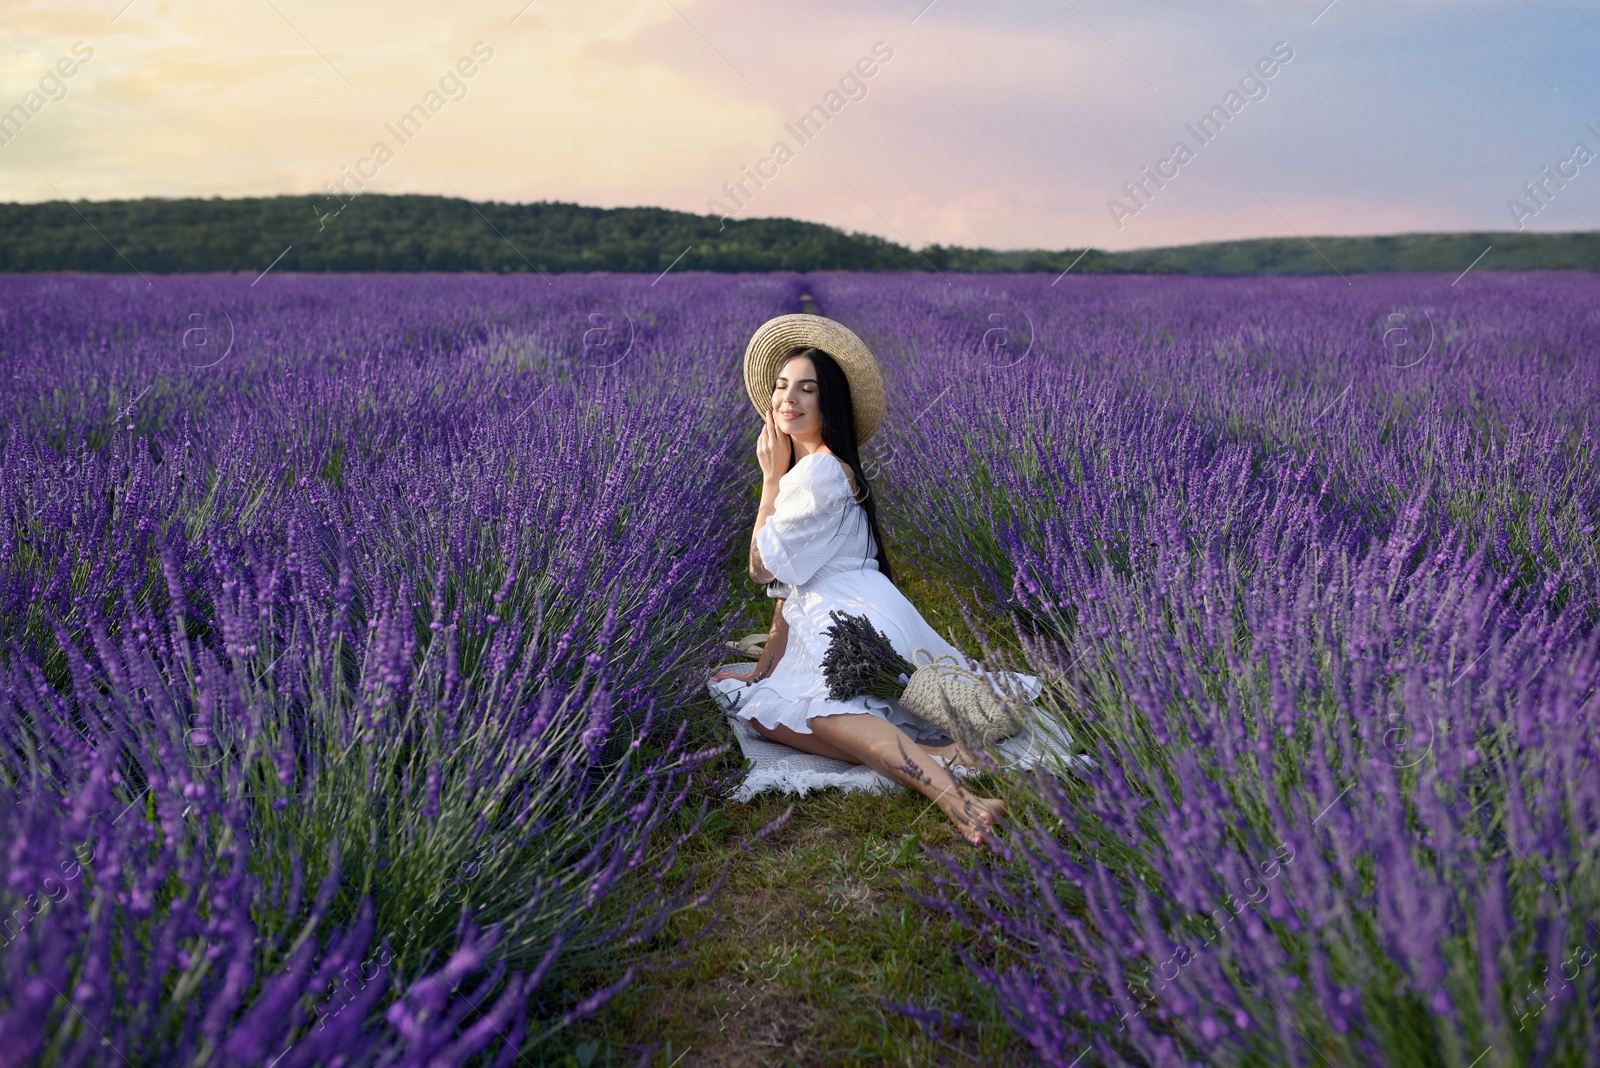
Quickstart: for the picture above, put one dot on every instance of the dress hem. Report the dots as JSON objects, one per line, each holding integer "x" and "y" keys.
{"x": 777, "y": 715}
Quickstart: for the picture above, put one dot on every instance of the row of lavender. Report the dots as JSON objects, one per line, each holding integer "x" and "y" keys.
{"x": 335, "y": 614}
{"x": 1315, "y": 567}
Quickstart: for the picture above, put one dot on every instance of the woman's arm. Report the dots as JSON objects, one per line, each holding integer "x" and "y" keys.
{"x": 773, "y": 452}
{"x": 777, "y": 641}
{"x": 769, "y": 504}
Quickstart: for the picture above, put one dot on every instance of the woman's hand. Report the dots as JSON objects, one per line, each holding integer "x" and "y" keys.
{"x": 719, "y": 676}
{"x": 773, "y": 449}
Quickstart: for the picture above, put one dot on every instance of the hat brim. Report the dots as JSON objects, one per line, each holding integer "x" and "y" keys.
{"x": 778, "y": 337}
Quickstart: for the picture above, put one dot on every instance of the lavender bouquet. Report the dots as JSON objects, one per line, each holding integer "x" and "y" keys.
{"x": 861, "y": 661}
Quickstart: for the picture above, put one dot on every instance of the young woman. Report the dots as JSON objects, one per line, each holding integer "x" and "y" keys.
{"x": 816, "y": 540}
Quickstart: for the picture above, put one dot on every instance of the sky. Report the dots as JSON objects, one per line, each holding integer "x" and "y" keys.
{"x": 1051, "y": 124}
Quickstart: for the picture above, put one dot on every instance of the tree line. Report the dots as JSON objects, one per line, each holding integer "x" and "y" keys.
{"x": 375, "y": 232}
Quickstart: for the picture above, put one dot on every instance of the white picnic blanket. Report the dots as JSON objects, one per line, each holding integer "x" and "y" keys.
{"x": 775, "y": 766}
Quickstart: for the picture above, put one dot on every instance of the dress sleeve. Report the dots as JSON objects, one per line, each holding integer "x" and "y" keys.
{"x": 797, "y": 538}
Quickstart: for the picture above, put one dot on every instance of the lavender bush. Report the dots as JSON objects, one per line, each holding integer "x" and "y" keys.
{"x": 341, "y": 616}
{"x": 1322, "y": 597}
{"x": 344, "y": 619}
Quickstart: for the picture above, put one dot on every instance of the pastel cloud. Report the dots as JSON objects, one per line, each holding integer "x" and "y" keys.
{"x": 1010, "y": 127}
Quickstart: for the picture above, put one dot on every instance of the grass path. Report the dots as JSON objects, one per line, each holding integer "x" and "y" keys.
{"x": 813, "y": 924}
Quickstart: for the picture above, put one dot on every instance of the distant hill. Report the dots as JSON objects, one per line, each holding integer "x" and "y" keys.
{"x": 1511, "y": 251}
{"x": 374, "y": 232}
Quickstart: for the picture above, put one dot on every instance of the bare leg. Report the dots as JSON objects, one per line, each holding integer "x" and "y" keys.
{"x": 813, "y": 743}
{"x": 806, "y": 743}
{"x": 884, "y": 748}
{"x": 955, "y": 752}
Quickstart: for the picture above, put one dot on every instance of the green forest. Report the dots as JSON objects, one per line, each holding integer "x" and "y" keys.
{"x": 374, "y": 232}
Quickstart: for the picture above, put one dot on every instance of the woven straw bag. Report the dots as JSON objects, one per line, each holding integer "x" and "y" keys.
{"x": 944, "y": 693}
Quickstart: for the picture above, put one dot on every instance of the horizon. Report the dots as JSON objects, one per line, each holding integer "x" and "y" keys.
{"x": 657, "y": 207}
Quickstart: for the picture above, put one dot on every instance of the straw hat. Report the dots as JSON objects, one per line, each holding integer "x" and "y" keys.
{"x": 778, "y": 337}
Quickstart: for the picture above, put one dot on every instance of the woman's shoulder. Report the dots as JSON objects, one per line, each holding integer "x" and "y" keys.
{"x": 829, "y": 466}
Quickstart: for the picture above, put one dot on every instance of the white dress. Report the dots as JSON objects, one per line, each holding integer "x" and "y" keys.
{"x": 818, "y": 542}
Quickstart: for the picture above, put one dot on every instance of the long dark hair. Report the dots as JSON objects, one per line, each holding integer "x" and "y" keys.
{"x": 839, "y": 435}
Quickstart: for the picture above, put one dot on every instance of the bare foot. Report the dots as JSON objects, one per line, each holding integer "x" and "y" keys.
{"x": 974, "y": 816}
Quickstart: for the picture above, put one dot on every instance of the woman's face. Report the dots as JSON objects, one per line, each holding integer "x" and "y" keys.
{"x": 794, "y": 400}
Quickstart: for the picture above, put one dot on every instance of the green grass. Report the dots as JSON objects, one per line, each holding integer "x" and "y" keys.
{"x": 812, "y": 924}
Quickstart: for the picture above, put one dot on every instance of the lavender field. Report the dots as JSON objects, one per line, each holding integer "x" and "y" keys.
{"x": 356, "y": 631}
